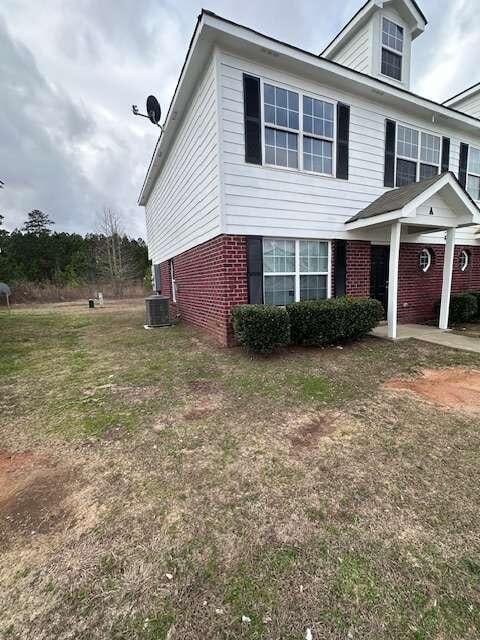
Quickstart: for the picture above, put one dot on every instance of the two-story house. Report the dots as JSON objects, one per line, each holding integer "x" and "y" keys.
{"x": 283, "y": 175}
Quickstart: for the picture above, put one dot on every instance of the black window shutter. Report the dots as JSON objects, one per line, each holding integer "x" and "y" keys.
{"x": 343, "y": 136}
{"x": 390, "y": 135}
{"x": 253, "y": 130}
{"x": 340, "y": 268}
{"x": 462, "y": 169}
{"x": 255, "y": 269}
{"x": 445, "y": 154}
{"x": 156, "y": 272}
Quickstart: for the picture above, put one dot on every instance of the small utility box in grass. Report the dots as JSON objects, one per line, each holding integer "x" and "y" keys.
{"x": 157, "y": 312}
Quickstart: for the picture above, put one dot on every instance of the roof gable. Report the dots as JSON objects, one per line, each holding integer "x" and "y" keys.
{"x": 408, "y": 201}
{"x": 408, "y": 9}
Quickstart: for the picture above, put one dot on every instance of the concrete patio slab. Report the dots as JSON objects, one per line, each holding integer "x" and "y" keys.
{"x": 431, "y": 334}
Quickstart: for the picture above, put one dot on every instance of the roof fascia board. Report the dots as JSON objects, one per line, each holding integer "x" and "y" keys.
{"x": 373, "y": 221}
{"x": 463, "y": 95}
{"x": 143, "y": 197}
{"x": 352, "y": 25}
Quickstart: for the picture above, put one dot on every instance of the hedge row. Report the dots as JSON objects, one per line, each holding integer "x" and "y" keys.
{"x": 263, "y": 328}
{"x": 464, "y": 307}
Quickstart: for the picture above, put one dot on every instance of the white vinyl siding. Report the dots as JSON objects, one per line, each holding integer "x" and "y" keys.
{"x": 281, "y": 202}
{"x": 470, "y": 105}
{"x": 356, "y": 54}
{"x": 183, "y": 209}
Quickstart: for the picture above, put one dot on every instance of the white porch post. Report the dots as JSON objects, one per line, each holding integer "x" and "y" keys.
{"x": 393, "y": 278}
{"x": 447, "y": 278}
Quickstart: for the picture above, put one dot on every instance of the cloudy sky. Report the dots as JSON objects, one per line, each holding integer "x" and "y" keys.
{"x": 71, "y": 69}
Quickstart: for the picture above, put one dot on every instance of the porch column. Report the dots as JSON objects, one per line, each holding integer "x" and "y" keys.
{"x": 447, "y": 278}
{"x": 393, "y": 279}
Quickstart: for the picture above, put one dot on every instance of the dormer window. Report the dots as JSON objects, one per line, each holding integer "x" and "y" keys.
{"x": 392, "y": 49}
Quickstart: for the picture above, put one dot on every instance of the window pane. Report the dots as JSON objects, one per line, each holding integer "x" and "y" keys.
{"x": 313, "y": 287}
{"x": 473, "y": 187}
{"x": 269, "y": 94}
{"x": 269, "y": 114}
{"x": 392, "y": 35}
{"x": 427, "y": 171}
{"x": 281, "y": 97}
{"x": 430, "y": 149}
{"x": 281, "y": 107}
{"x": 391, "y": 64}
{"x": 317, "y": 155}
{"x": 322, "y": 120}
{"x": 407, "y": 143}
{"x": 281, "y": 148}
{"x": 313, "y": 256}
{"x": 278, "y": 256}
{"x": 406, "y": 172}
{"x": 474, "y": 160}
{"x": 279, "y": 290}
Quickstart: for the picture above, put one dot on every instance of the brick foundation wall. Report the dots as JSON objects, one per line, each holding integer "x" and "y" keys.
{"x": 418, "y": 292}
{"x": 210, "y": 279}
{"x": 358, "y": 268}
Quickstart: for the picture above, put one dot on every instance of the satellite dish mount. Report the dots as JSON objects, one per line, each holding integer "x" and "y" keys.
{"x": 154, "y": 111}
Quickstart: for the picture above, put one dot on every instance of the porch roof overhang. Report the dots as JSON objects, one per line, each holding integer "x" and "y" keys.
{"x": 407, "y": 205}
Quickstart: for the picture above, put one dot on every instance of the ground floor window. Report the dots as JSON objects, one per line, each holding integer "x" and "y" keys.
{"x": 295, "y": 270}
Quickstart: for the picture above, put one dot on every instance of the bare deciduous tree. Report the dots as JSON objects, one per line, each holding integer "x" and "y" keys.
{"x": 114, "y": 261}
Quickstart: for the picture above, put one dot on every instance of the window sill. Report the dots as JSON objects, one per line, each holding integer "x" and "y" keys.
{"x": 301, "y": 171}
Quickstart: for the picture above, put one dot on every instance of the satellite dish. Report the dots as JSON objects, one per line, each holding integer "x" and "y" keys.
{"x": 153, "y": 110}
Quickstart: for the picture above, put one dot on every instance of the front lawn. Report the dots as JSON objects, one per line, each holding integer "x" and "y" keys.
{"x": 155, "y": 486}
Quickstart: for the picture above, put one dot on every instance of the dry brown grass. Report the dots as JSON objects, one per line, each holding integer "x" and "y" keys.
{"x": 294, "y": 490}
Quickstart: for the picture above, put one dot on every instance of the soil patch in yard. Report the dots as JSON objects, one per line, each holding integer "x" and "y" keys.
{"x": 31, "y": 493}
{"x": 456, "y": 388}
{"x": 314, "y": 428}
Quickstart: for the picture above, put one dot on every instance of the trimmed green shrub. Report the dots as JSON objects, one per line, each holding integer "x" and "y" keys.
{"x": 463, "y": 308}
{"x": 261, "y": 328}
{"x": 321, "y": 322}
{"x": 476, "y": 295}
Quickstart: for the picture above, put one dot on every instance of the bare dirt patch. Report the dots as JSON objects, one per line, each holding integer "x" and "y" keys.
{"x": 203, "y": 407}
{"x": 31, "y": 493}
{"x": 456, "y": 388}
{"x": 310, "y": 432}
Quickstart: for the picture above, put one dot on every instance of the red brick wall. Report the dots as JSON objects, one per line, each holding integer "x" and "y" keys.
{"x": 210, "y": 279}
{"x": 418, "y": 292}
{"x": 358, "y": 268}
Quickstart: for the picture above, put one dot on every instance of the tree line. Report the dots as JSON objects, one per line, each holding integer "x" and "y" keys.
{"x": 37, "y": 254}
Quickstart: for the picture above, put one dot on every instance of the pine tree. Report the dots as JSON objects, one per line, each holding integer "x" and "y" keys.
{"x": 37, "y": 223}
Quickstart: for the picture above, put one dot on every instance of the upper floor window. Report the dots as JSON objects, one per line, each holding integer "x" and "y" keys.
{"x": 473, "y": 173}
{"x": 392, "y": 49}
{"x": 418, "y": 155}
{"x": 299, "y": 133}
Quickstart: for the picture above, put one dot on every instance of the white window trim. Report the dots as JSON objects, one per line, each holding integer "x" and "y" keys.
{"x": 418, "y": 161}
{"x": 429, "y": 254}
{"x": 297, "y": 273}
{"x": 398, "y": 53}
{"x": 300, "y": 133}
{"x": 171, "y": 268}
{"x": 463, "y": 252}
{"x": 469, "y": 171}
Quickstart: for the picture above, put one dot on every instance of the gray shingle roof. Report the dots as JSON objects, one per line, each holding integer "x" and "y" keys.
{"x": 396, "y": 199}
